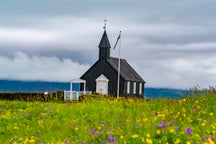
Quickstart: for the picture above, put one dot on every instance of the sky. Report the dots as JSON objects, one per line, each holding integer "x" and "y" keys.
{"x": 170, "y": 43}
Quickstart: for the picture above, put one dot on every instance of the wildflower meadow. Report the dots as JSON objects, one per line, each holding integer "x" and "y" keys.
{"x": 190, "y": 120}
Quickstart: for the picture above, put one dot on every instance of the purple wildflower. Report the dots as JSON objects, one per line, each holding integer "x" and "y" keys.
{"x": 210, "y": 137}
{"x": 177, "y": 128}
{"x": 156, "y": 113}
{"x": 110, "y": 137}
{"x": 188, "y": 131}
{"x": 157, "y": 125}
{"x": 113, "y": 140}
{"x": 172, "y": 123}
{"x": 193, "y": 108}
{"x": 103, "y": 143}
{"x": 93, "y": 132}
{"x": 101, "y": 131}
{"x": 163, "y": 125}
{"x": 66, "y": 142}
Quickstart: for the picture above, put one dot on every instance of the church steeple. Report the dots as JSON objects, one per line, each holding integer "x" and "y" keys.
{"x": 104, "y": 46}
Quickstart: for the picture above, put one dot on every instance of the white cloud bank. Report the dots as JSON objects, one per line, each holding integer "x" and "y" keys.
{"x": 176, "y": 55}
{"x": 24, "y": 67}
{"x": 179, "y": 72}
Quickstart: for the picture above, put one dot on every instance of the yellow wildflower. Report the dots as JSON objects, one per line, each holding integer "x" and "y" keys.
{"x": 76, "y": 128}
{"x": 121, "y": 136}
{"x": 135, "y": 136}
{"x": 177, "y": 141}
{"x": 148, "y": 135}
{"x": 31, "y": 141}
{"x": 145, "y": 119}
{"x": 20, "y": 139}
{"x": 188, "y": 142}
{"x": 158, "y": 132}
{"x": 131, "y": 100}
{"x": 15, "y": 128}
{"x": 138, "y": 120}
{"x": 210, "y": 141}
{"x": 26, "y": 141}
{"x": 172, "y": 130}
{"x": 149, "y": 141}
{"x": 197, "y": 135}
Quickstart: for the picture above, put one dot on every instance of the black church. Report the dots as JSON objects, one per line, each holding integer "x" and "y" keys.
{"x": 102, "y": 77}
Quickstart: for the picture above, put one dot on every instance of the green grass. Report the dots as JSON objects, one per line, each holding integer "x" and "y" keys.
{"x": 110, "y": 120}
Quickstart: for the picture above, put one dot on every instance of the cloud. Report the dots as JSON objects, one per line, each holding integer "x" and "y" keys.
{"x": 170, "y": 44}
{"x": 56, "y": 30}
{"x": 179, "y": 72}
{"x": 19, "y": 36}
{"x": 45, "y": 68}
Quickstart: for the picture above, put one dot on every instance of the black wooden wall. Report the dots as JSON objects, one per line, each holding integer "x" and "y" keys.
{"x": 103, "y": 67}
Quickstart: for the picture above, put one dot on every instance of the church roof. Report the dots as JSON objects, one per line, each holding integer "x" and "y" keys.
{"x": 104, "y": 41}
{"x": 126, "y": 71}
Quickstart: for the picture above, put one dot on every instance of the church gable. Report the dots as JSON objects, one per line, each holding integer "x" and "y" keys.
{"x": 102, "y": 78}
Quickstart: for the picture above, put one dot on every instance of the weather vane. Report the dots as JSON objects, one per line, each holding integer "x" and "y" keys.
{"x": 105, "y": 24}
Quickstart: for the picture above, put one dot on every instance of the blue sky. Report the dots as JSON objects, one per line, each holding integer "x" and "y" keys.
{"x": 169, "y": 43}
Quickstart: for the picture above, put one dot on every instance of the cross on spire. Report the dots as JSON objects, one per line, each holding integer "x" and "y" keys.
{"x": 105, "y": 24}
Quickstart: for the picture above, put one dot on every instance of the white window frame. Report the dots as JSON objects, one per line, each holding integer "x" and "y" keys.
{"x": 140, "y": 88}
{"x": 128, "y": 87}
{"x": 134, "y": 87}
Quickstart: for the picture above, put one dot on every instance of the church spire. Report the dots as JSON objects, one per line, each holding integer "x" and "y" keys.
{"x": 104, "y": 46}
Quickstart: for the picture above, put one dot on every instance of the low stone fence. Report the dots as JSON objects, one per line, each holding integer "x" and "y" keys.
{"x": 33, "y": 96}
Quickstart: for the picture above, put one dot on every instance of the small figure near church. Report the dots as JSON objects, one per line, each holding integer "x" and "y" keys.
{"x": 102, "y": 77}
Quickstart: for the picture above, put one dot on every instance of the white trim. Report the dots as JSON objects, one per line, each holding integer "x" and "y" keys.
{"x": 102, "y": 78}
{"x": 74, "y": 95}
{"x": 102, "y": 84}
{"x": 140, "y": 88}
{"x": 77, "y": 81}
{"x": 128, "y": 87}
{"x": 134, "y": 87}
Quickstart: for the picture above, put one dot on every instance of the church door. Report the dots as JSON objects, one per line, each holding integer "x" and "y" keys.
{"x": 102, "y": 84}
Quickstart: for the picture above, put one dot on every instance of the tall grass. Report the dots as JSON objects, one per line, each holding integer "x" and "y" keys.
{"x": 105, "y": 120}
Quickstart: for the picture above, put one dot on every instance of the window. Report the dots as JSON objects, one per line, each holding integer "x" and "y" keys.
{"x": 128, "y": 87}
{"x": 140, "y": 88}
{"x": 134, "y": 87}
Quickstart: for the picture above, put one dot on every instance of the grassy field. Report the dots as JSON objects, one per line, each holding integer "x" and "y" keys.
{"x": 131, "y": 121}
